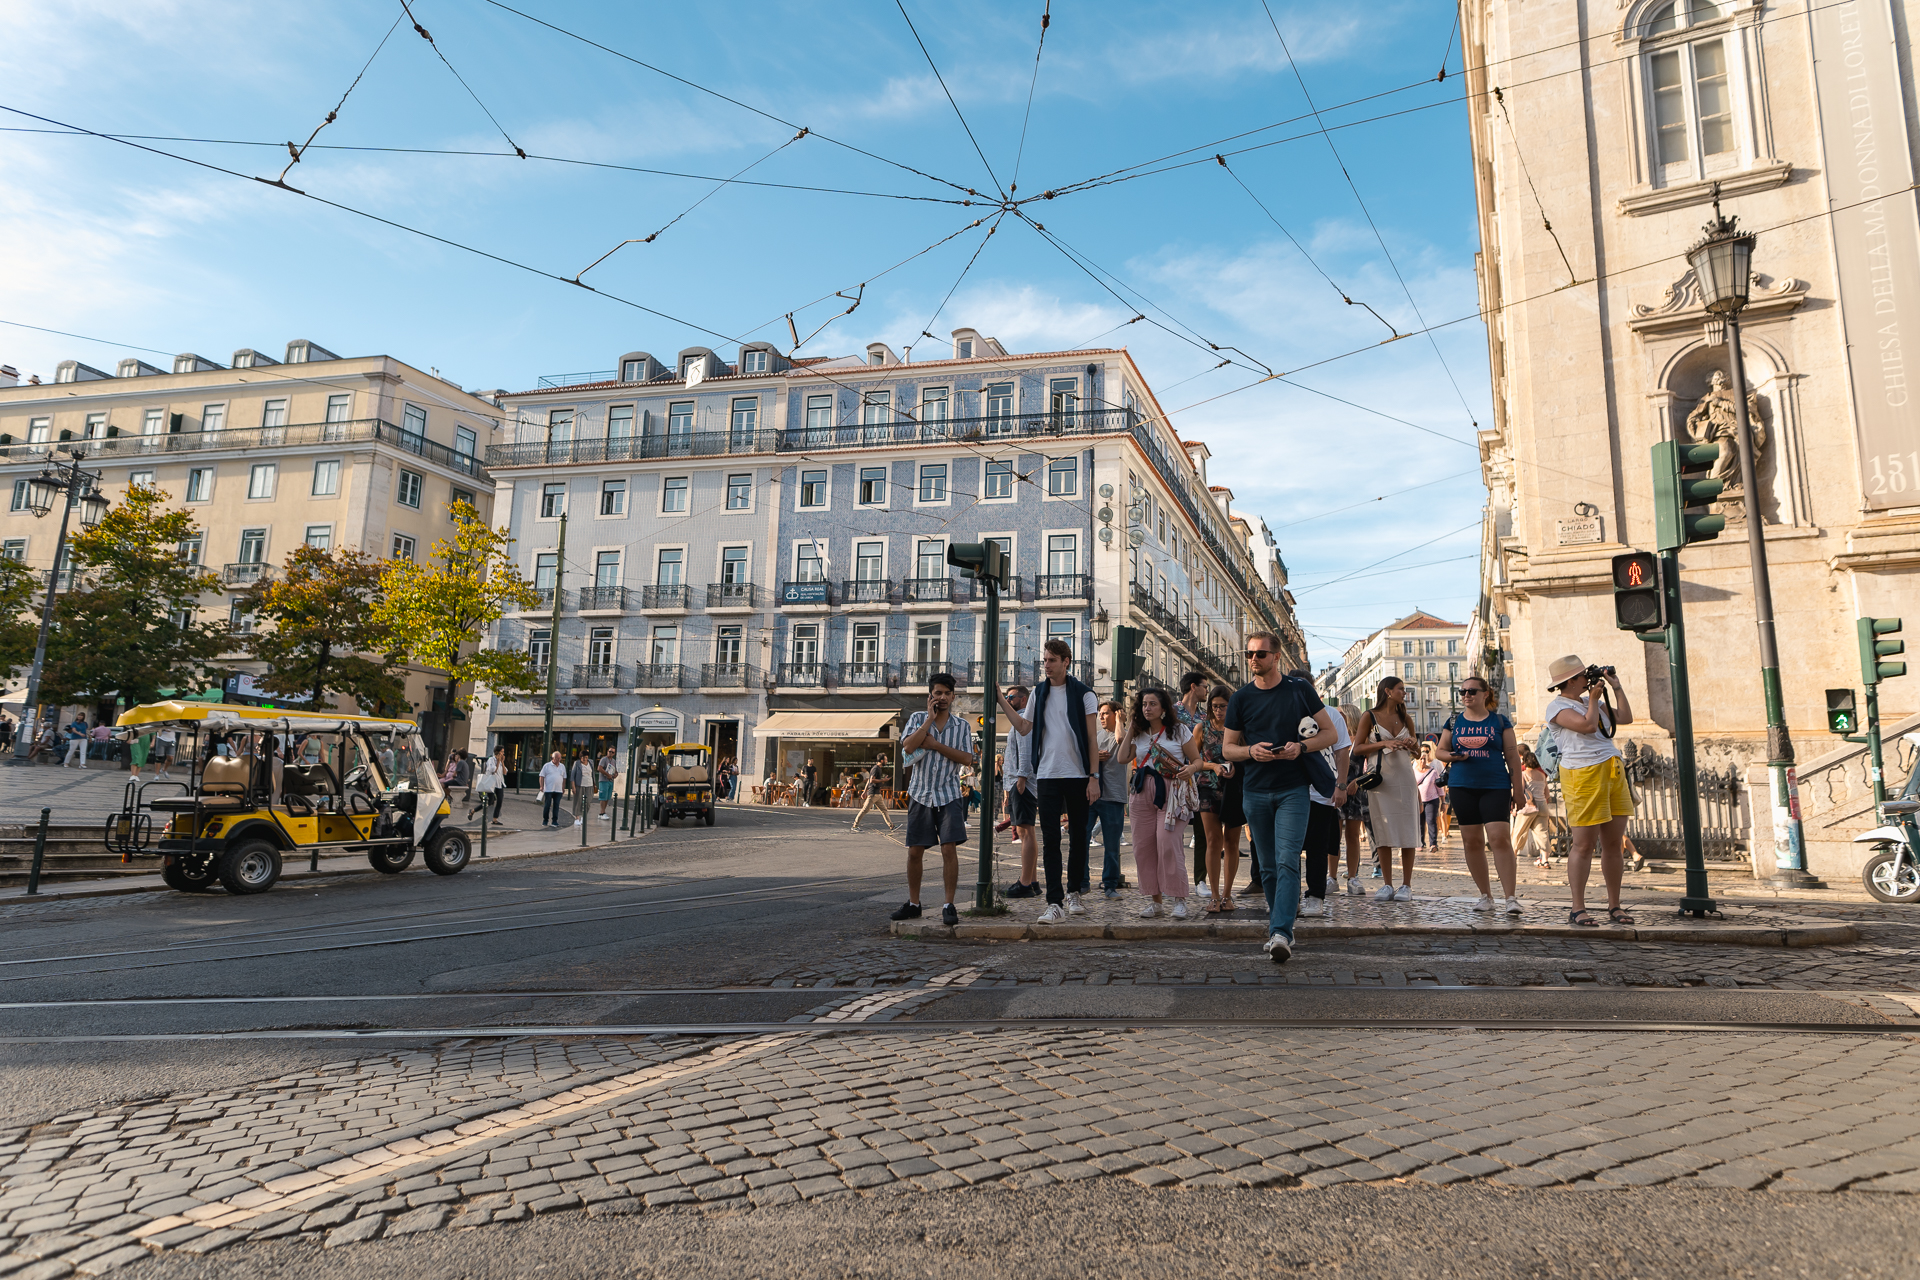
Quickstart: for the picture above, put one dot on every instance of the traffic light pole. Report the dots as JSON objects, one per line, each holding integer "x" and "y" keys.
{"x": 1789, "y": 845}
{"x": 1696, "y": 902}
{"x": 990, "y": 782}
{"x": 1878, "y": 775}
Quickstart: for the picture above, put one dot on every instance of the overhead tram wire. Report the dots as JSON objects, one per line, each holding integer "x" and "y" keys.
{"x": 297, "y": 152}
{"x": 441, "y": 54}
{"x": 950, "y": 99}
{"x": 625, "y": 57}
{"x": 1368, "y": 213}
{"x": 1425, "y": 484}
{"x": 1046, "y": 19}
{"x": 978, "y": 250}
{"x": 1302, "y": 248}
{"x": 503, "y": 155}
{"x": 1451, "y": 533}
{"x": 1520, "y": 155}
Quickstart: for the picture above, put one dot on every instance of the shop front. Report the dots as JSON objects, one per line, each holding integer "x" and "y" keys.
{"x": 523, "y": 734}
{"x": 839, "y": 744}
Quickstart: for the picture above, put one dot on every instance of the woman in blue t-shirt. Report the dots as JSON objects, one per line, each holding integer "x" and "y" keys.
{"x": 1484, "y": 786}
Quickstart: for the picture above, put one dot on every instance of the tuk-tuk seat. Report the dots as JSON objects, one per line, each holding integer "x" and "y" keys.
{"x": 223, "y": 786}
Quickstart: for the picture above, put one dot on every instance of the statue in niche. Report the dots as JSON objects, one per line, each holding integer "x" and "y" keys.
{"x": 1715, "y": 421}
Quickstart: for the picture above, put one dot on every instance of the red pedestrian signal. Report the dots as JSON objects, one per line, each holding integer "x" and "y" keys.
{"x": 1637, "y": 602}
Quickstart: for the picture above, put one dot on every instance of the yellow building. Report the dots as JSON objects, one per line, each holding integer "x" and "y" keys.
{"x": 364, "y": 453}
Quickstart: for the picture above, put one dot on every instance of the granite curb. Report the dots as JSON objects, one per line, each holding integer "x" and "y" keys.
{"x": 1812, "y": 934}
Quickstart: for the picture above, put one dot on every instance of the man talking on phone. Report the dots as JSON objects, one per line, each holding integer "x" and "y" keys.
{"x": 936, "y": 802}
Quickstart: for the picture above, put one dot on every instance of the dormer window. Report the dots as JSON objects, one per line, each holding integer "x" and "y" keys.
{"x": 753, "y": 362}
{"x": 633, "y": 371}
{"x": 963, "y": 349}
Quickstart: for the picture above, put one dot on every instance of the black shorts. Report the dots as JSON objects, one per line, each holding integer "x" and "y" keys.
{"x": 1477, "y": 806}
{"x": 929, "y": 825}
{"x": 1231, "y": 812}
{"x": 1024, "y": 807}
{"x": 1208, "y": 800}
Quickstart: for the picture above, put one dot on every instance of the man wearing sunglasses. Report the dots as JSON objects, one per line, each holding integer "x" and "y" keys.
{"x": 1263, "y": 730}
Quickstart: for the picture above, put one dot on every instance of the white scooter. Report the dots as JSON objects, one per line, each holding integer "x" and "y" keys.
{"x": 1892, "y": 872}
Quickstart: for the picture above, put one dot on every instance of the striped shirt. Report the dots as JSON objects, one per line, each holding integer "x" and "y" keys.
{"x": 936, "y": 779}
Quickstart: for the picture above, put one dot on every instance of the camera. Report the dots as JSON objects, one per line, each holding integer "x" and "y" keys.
{"x": 1595, "y": 674}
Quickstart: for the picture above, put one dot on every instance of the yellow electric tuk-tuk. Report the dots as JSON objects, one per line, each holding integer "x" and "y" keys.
{"x": 263, "y": 784}
{"x": 686, "y": 783}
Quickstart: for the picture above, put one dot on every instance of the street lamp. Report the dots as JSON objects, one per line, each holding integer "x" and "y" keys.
{"x": 78, "y": 488}
{"x": 1102, "y": 625}
{"x": 1723, "y": 266}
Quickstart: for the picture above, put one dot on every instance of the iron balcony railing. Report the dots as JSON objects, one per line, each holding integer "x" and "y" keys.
{"x": 543, "y": 601}
{"x": 918, "y": 673}
{"x": 658, "y": 675}
{"x": 577, "y": 379}
{"x": 731, "y": 595}
{"x": 246, "y": 573}
{"x": 1062, "y": 586}
{"x": 811, "y": 675}
{"x": 599, "y": 675}
{"x": 293, "y": 435}
{"x": 864, "y": 675}
{"x": 867, "y": 591}
{"x": 672, "y": 596}
{"x": 1011, "y": 673}
{"x": 603, "y": 598}
{"x": 1081, "y": 671}
{"x": 928, "y": 590}
{"x": 977, "y": 589}
{"x": 728, "y": 675}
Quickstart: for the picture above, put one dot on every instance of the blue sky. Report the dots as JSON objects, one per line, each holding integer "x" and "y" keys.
{"x": 147, "y": 251}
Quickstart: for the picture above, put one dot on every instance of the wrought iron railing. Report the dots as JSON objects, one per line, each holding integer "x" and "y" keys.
{"x": 292, "y": 435}
{"x": 543, "y": 601}
{"x": 596, "y": 675}
{"x": 867, "y": 591}
{"x": 806, "y": 674}
{"x": 246, "y": 573}
{"x": 658, "y": 675}
{"x": 928, "y": 590}
{"x": 1081, "y": 671}
{"x": 1655, "y": 826}
{"x": 918, "y": 673}
{"x": 731, "y": 595}
{"x": 603, "y": 598}
{"x": 728, "y": 675}
{"x": 977, "y": 589}
{"x": 672, "y": 596}
{"x": 1062, "y": 586}
{"x": 1011, "y": 673}
{"x": 864, "y": 675}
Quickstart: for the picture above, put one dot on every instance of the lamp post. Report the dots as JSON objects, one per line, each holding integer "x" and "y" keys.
{"x": 1723, "y": 265}
{"x": 72, "y": 487}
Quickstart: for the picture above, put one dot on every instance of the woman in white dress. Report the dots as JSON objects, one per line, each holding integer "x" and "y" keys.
{"x": 1393, "y": 808}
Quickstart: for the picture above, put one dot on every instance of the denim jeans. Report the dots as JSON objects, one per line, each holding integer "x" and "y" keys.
{"x": 1112, "y": 817}
{"x": 1068, "y": 796}
{"x": 1429, "y": 822}
{"x": 550, "y": 808}
{"x": 1277, "y": 824}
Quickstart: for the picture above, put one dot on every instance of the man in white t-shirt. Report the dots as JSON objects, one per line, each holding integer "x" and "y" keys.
{"x": 1593, "y": 782}
{"x": 1065, "y": 740}
{"x": 553, "y": 783}
{"x": 1322, "y": 852}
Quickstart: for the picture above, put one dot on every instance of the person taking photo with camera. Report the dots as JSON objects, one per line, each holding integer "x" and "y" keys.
{"x": 1593, "y": 781}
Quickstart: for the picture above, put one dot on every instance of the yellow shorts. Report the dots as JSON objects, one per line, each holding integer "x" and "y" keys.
{"x": 1596, "y": 793}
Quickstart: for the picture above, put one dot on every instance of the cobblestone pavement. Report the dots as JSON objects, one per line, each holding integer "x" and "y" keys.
{"x": 463, "y": 1135}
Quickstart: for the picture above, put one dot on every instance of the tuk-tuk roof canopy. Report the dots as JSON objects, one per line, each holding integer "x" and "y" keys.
{"x": 219, "y": 716}
{"x": 687, "y": 746}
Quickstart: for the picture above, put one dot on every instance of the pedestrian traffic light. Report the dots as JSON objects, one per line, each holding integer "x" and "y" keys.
{"x": 1637, "y": 602}
{"x": 1872, "y": 649}
{"x": 1841, "y": 717}
{"x": 979, "y": 560}
{"x": 1127, "y": 655}
{"x": 1683, "y": 485}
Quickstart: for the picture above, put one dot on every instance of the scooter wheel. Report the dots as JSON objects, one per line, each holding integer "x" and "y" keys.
{"x": 1890, "y": 877}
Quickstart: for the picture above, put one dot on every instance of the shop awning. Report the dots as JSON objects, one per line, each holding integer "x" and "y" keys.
{"x": 572, "y": 721}
{"x": 863, "y": 726}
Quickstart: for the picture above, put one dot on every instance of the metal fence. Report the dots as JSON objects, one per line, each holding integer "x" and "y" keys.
{"x": 1655, "y": 826}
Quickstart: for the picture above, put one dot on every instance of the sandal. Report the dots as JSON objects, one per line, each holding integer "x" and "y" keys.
{"x": 1223, "y": 905}
{"x": 1619, "y": 915}
{"x": 1583, "y": 918}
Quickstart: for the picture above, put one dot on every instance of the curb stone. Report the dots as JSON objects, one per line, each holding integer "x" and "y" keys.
{"x": 1813, "y": 934}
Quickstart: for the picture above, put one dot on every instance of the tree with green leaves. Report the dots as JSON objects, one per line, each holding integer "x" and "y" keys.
{"x": 320, "y": 632}
{"x": 438, "y": 611}
{"x": 130, "y": 624}
{"x": 19, "y": 619}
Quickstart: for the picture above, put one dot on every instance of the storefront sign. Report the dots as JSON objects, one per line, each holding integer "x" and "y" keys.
{"x": 804, "y": 593}
{"x": 657, "y": 722}
{"x": 1876, "y": 236}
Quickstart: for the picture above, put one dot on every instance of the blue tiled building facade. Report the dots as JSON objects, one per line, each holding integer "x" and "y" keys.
{"x": 756, "y": 549}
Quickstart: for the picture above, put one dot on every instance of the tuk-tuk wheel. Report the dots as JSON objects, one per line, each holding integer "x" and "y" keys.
{"x": 251, "y": 866}
{"x": 176, "y": 876}
{"x": 390, "y": 863}
{"x": 709, "y": 815}
{"x": 449, "y": 852}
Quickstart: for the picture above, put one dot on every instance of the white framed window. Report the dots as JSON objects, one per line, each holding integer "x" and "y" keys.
{"x": 740, "y": 491}
{"x": 467, "y": 444}
{"x": 39, "y": 430}
{"x": 873, "y": 486}
{"x": 546, "y": 567}
{"x": 413, "y": 420}
{"x": 153, "y": 422}
{"x": 253, "y": 546}
{"x": 96, "y": 426}
{"x": 620, "y": 423}
{"x": 613, "y": 497}
{"x": 807, "y": 564}
{"x": 1063, "y": 554}
{"x": 998, "y": 485}
{"x": 665, "y": 650}
{"x": 326, "y": 477}
{"x": 735, "y": 565}
{"x": 819, "y": 416}
{"x": 813, "y": 488}
{"x": 929, "y": 641}
{"x": 407, "y": 491}
{"x": 869, "y": 561}
{"x": 728, "y": 640}
{"x": 200, "y": 484}
{"x": 213, "y": 417}
{"x": 402, "y": 547}
{"x": 1063, "y": 477}
{"x": 606, "y": 569}
{"x": 1453, "y": 646}
{"x": 339, "y": 407}
{"x": 673, "y": 494}
{"x": 1063, "y": 397}
{"x": 1066, "y": 630}
{"x": 540, "y": 647}
{"x": 144, "y": 479}
{"x": 933, "y": 483}
{"x": 273, "y": 413}
{"x": 600, "y": 647}
{"x": 865, "y": 650}
{"x": 13, "y": 549}
{"x": 999, "y": 406}
{"x": 934, "y": 404}
{"x": 670, "y": 567}
{"x": 680, "y": 419}
{"x": 319, "y": 536}
{"x": 1694, "y": 83}
{"x": 876, "y": 409}
{"x": 459, "y": 496}
{"x": 806, "y": 644}
{"x": 1407, "y": 672}
{"x": 1406, "y": 646}
{"x": 261, "y": 478}
{"x": 190, "y": 548}
{"x": 553, "y": 500}
{"x": 633, "y": 370}
{"x": 930, "y": 559}
{"x": 746, "y": 414}
{"x": 753, "y": 362}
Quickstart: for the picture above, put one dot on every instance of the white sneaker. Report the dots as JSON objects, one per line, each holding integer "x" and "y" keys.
{"x": 1353, "y": 887}
{"x": 1403, "y": 894}
{"x": 579, "y": 822}
{"x": 1485, "y": 904}
{"x": 1205, "y": 891}
{"x": 1149, "y": 911}
{"x": 1073, "y": 905}
{"x": 1052, "y": 915}
{"x": 1179, "y": 908}
{"x": 1280, "y": 947}
{"x": 1314, "y": 907}
{"x": 1513, "y": 906}
{"x": 606, "y": 818}
{"x": 1385, "y": 894}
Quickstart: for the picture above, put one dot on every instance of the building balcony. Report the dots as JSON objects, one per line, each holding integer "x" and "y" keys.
{"x": 1081, "y": 671}
{"x": 659, "y": 675}
{"x": 806, "y": 596}
{"x": 132, "y": 448}
{"x": 1011, "y": 673}
{"x": 936, "y": 591}
{"x": 671, "y": 598}
{"x": 916, "y": 674}
{"x": 246, "y": 574}
{"x": 977, "y": 590}
{"x": 864, "y": 675}
{"x": 543, "y": 602}
{"x": 603, "y": 600}
{"x": 727, "y": 677}
{"x": 870, "y": 592}
{"x": 596, "y": 675}
{"x": 1063, "y": 586}
{"x": 732, "y": 595}
{"x": 803, "y": 675}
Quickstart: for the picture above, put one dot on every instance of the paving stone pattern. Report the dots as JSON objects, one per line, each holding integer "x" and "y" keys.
{"x": 465, "y": 1136}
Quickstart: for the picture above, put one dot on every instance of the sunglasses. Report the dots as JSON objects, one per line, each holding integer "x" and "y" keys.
{"x": 1259, "y": 653}
{"x": 1471, "y": 693}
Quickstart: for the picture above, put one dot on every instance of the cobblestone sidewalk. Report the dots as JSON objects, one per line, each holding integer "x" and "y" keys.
{"x": 463, "y": 1136}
